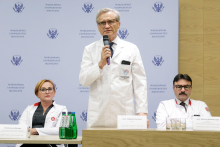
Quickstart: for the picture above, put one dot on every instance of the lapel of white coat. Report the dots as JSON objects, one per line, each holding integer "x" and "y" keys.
{"x": 99, "y": 45}
{"x": 48, "y": 116}
{"x": 31, "y": 113}
{"x": 118, "y": 49}
{"x": 190, "y": 110}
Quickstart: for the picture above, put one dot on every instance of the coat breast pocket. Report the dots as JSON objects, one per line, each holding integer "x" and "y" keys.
{"x": 124, "y": 72}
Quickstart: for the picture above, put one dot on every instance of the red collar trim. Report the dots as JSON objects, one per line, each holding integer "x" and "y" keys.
{"x": 37, "y": 104}
{"x": 176, "y": 101}
{"x": 189, "y": 102}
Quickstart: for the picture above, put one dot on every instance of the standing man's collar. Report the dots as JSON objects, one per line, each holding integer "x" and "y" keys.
{"x": 187, "y": 102}
{"x": 116, "y": 40}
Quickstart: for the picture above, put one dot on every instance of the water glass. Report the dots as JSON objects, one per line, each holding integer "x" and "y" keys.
{"x": 183, "y": 123}
{"x": 173, "y": 123}
{"x": 178, "y": 124}
{"x": 168, "y": 124}
{"x": 28, "y": 123}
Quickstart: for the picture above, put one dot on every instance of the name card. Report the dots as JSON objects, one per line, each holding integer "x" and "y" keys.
{"x": 207, "y": 124}
{"x": 132, "y": 122}
{"x": 13, "y": 131}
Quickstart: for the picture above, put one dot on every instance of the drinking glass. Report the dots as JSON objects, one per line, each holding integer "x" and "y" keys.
{"x": 173, "y": 123}
{"x": 168, "y": 124}
{"x": 183, "y": 123}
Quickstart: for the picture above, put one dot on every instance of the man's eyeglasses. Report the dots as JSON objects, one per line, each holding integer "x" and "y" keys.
{"x": 186, "y": 87}
{"x": 44, "y": 90}
{"x": 109, "y": 22}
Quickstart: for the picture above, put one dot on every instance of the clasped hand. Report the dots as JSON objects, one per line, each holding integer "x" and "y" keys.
{"x": 104, "y": 55}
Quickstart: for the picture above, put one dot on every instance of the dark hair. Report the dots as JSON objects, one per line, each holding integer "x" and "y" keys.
{"x": 182, "y": 76}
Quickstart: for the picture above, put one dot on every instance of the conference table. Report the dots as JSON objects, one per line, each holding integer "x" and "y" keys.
{"x": 41, "y": 139}
{"x": 111, "y": 137}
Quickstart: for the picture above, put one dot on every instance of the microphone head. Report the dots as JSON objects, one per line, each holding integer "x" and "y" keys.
{"x": 105, "y": 40}
{"x": 105, "y": 37}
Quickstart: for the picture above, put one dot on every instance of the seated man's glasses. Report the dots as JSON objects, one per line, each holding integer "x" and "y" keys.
{"x": 179, "y": 87}
{"x": 43, "y": 90}
{"x": 109, "y": 22}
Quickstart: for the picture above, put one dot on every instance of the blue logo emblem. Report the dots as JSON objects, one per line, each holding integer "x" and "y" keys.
{"x": 84, "y": 115}
{"x": 16, "y": 60}
{"x": 154, "y": 117}
{"x": 18, "y": 7}
{"x": 52, "y": 33}
{"x": 123, "y": 33}
{"x": 55, "y": 86}
{"x": 158, "y": 60}
{"x": 158, "y": 7}
{"x": 14, "y": 115}
{"x": 87, "y": 7}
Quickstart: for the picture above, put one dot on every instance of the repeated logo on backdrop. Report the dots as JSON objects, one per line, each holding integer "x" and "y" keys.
{"x": 157, "y": 88}
{"x": 15, "y": 87}
{"x": 154, "y": 116}
{"x": 14, "y": 116}
{"x": 83, "y": 116}
{"x": 51, "y": 60}
{"x": 123, "y": 33}
{"x": 123, "y": 7}
{"x": 52, "y": 34}
{"x": 18, "y": 8}
{"x": 158, "y": 33}
{"x": 18, "y": 33}
{"x": 87, "y": 8}
{"x": 16, "y": 60}
{"x": 53, "y": 7}
{"x": 158, "y": 7}
{"x": 87, "y": 33}
{"x": 84, "y": 89}
{"x": 158, "y": 60}
{"x": 55, "y": 86}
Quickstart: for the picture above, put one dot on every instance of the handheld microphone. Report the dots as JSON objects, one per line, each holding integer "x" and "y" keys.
{"x": 106, "y": 42}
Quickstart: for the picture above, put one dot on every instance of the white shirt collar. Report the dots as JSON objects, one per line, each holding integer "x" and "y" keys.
{"x": 116, "y": 40}
{"x": 186, "y": 101}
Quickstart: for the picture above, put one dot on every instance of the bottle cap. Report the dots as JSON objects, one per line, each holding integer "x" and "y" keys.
{"x": 73, "y": 112}
{"x": 69, "y": 112}
{"x": 63, "y": 113}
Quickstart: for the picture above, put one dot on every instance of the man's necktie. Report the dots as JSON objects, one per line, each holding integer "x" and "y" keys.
{"x": 184, "y": 105}
{"x": 110, "y": 47}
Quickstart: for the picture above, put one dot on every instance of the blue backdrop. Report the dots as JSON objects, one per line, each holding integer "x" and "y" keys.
{"x": 45, "y": 39}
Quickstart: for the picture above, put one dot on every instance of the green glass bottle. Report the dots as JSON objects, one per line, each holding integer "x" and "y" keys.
{"x": 69, "y": 126}
{"x": 75, "y": 132}
{"x": 62, "y": 126}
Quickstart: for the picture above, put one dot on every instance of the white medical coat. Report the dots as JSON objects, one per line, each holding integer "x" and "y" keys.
{"x": 109, "y": 94}
{"x": 170, "y": 109}
{"x": 52, "y": 120}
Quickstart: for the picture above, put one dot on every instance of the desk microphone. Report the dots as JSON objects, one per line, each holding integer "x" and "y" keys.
{"x": 106, "y": 42}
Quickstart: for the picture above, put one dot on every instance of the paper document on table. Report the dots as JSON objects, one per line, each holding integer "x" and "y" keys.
{"x": 132, "y": 122}
{"x": 13, "y": 131}
{"x": 207, "y": 123}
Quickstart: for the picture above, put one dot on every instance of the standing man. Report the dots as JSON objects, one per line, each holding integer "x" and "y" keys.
{"x": 113, "y": 87}
{"x": 181, "y": 106}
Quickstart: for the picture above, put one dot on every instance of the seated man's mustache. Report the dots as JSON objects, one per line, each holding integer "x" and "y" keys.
{"x": 182, "y": 93}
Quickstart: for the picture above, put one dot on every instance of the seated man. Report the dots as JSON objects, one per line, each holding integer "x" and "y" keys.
{"x": 181, "y": 106}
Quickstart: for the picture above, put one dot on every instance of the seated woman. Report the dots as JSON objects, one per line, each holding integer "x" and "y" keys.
{"x": 44, "y": 116}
